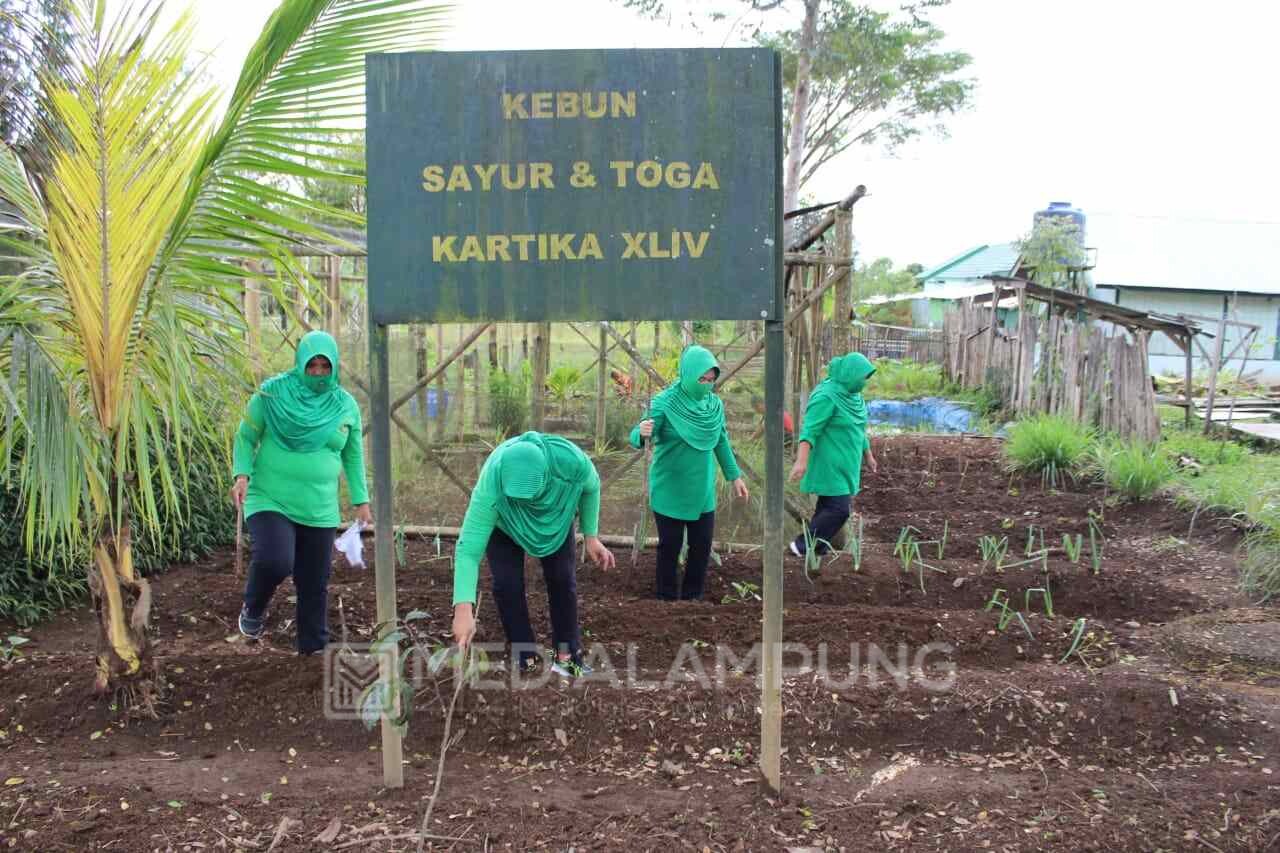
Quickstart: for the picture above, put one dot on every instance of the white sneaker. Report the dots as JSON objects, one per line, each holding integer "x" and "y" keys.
{"x": 794, "y": 549}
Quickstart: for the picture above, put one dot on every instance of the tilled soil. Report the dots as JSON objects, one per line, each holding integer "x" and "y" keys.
{"x": 912, "y": 721}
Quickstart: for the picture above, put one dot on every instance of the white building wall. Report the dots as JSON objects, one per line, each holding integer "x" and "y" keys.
{"x": 1166, "y": 357}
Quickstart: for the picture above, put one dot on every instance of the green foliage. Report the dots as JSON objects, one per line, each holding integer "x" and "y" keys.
{"x": 1260, "y": 572}
{"x": 33, "y": 588}
{"x": 879, "y": 278}
{"x": 1135, "y": 469}
{"x": 1048, "y": 445}
{"x": 509, "y": 401}
{"x": 905, "y": 380}
{"x": 619, "y": 417}
{"x": 1052, "y": 250}
{"x": 561, "y": 383}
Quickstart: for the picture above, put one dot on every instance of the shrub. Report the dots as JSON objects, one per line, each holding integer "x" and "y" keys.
{"x": 1133, "y": 468}
{"x": 508, "y": 402}
{"x": 33, "y": 588}
{"x": 619, "y": 417}
{"x": 1048, "y": 445}
{"x": 1260, "y": 571}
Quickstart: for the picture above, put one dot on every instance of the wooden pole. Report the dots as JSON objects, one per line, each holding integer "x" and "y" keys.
{"x": 602, "y": 389}
{"x": 419, "y": 333}
{"x": 540, "y": 346}
{"x": 841, "y": 322}
{"x": 637, "y": 359}
{"x": 1187, "y": 390}
{"x": 774, "y": 376}
{"x": 479, "y": 385}
{"x": 441, "y": 408}
{"x": 253, "y": 319}
{"x": 1214, "y": 367}
{"x": 460, "y": 394}
{"x": 384, "y": 557}
{"x": 333, "y": 306}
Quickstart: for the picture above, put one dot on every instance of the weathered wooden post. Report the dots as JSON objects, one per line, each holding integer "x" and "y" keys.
{"x": 602, "y": 388}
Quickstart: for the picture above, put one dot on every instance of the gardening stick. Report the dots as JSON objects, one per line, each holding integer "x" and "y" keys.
{"x": 460, "y": 681}
{"x": 240, "y": 541}
{"x": 642, "y": 525}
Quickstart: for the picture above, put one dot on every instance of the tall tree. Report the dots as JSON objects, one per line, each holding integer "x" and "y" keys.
{"x": 126, "y": 304}
{"x": 852, "y": 75}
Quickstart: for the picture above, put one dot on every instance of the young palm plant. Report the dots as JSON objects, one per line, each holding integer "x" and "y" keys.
{"x": 122, "y": 322}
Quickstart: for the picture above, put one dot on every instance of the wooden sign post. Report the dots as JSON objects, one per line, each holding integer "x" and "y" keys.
{"x": 536, "y": 186}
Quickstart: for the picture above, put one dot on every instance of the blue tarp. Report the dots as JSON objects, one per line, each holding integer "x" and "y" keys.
{"x": 933, "y": 413}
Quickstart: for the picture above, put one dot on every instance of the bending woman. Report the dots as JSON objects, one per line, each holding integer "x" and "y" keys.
{"x": 832, "y": 449}
{"x": 529, "y": 491}
{"x": 300, "y": 430}
{"x": 685, "y": 423}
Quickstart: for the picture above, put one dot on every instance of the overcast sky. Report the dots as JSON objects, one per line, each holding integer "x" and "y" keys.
{"x": 1158, "y": 119}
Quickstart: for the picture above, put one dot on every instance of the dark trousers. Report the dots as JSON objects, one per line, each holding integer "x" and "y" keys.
{"x": 671, "y": 538}
{"x": 559, "y": 570}
{"x": 830, "y": 514}
{"x": 282, "y": 548}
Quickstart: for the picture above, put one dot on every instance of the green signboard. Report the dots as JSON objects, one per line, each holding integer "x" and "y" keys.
{"x": 574, "y": 185}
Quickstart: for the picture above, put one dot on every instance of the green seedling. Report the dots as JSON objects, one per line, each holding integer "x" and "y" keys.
{"x": 742, "y": 593}
{"x": 402, "y": 547}
{"x": 856, "y": 546}
{"x": 1080, "y": 641}
{"x": 10, "y": 648}
{"x": 942, "y": 543}
{"x": 1072, "y": 546}
{"x": 1047, "y": 600}
{"x": 993, "y": 549}
{"x": 1096, "y": 543}
{"x": 1000, "y": 598}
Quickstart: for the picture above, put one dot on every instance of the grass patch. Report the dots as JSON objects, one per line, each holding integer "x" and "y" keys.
{"x": 1051, "y": 446}
{"x": 1230, "y": 479}
{"x": 1135, "y": 469}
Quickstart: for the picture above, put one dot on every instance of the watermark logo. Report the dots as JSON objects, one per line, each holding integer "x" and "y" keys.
{"x": 352, "y": 686}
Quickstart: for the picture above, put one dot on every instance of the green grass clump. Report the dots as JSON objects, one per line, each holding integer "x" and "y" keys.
{"x": 1135, "y": 469}
{"x": 1051, "y": 446}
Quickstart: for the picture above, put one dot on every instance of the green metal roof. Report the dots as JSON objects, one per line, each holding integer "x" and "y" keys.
{"x": 987, "y": 259}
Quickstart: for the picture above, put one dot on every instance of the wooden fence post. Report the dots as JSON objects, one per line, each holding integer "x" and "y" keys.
{"x": 602, "y": 388}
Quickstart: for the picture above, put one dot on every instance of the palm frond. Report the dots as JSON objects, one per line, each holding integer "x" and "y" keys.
{"x": 304, "y": 74}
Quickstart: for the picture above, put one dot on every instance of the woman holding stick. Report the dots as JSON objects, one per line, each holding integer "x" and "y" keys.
{"x": 832, "y": 449}
{"x": 685, "y": 426}
{"x": 529, "y": 491}
{"x": 300, "y": 430}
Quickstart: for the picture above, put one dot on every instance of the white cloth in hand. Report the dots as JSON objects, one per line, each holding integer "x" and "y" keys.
{"x": 351, "y": 546}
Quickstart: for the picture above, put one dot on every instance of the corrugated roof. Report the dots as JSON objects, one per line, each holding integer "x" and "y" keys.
{"x": 1262, "y": 288}
{"x": 946, "y": 293}
{"x": 988, "y": 259}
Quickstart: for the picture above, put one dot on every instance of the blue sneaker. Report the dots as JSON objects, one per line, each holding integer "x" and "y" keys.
{"x": 251, "y": 628}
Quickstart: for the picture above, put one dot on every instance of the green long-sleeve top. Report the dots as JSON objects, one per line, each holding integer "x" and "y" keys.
{"x": 835, "y": 427}
{"x": 538, "y": 525}
{"x": 301, "y": 485}
{"x": 682, "y": 479}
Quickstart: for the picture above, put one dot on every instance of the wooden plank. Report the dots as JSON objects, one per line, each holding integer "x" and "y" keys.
{"x": 1214, "y": 366}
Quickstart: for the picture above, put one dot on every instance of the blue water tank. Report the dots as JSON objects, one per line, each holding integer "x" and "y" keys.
{"x": 1062, "y": 210}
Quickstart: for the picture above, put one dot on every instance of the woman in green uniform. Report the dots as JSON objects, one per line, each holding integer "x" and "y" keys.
{"x": 301, "y": 429}
{"x": 832, "y": 449}
{"x": 530, "y": 489}
{"x": 685, "y": 423}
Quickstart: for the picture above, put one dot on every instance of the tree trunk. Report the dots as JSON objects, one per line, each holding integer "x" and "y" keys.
{"x": 122, "y": 602}
{"x": 800, "y": 105}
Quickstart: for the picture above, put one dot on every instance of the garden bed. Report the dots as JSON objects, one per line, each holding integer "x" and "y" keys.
{"x": 1118, "y": 747}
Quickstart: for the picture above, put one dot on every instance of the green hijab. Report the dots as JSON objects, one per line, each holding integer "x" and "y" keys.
{"x": 303, "y": 411}
{"x": 847, "y": 375}
{"x": 536, "y": 501}
{"x": 696, "y": 414}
